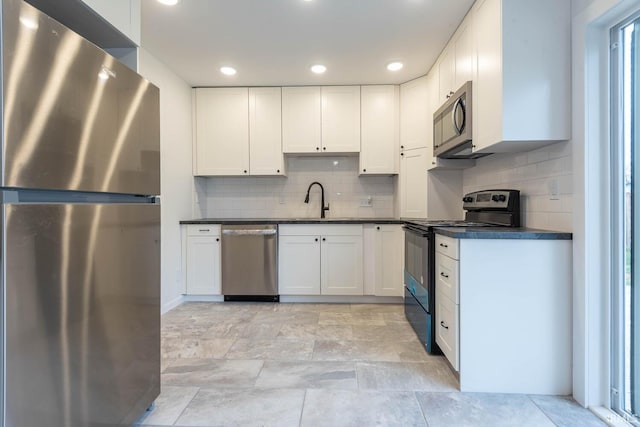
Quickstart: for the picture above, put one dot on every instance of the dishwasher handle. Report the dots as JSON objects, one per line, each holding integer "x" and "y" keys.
{"x": 249, "y": 232}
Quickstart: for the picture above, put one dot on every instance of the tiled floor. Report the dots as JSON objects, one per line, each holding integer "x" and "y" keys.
{"x": 251, "y": 364}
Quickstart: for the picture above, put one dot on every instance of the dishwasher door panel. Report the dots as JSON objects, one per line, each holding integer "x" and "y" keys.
{"x": 249, "y": 260}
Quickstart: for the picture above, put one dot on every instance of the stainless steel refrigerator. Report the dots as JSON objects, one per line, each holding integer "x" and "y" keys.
{"x": 80, "y": 229}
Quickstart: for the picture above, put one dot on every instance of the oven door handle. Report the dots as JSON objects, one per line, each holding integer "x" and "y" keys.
{"x": 419, "y": 231}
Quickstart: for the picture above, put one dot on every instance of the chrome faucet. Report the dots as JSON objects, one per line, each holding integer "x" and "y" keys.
{"x": 322, "y": 208}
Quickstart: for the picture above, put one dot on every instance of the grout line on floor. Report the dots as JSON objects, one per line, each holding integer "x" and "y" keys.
{"x": 304, "y": 399}
{"x": 540, "y": 409}
{"x": 424, "y": 416}
{"x": 186, "y": 406}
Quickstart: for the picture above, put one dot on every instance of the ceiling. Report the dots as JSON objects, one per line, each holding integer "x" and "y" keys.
{"x": 274, "y": 42}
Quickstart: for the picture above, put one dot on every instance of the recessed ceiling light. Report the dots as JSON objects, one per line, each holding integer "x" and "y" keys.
{"x": 394, "y": 66}
{"x": 229, "y": 71}
{"x": 29, "y": 23}
{"x": 169, "y": 2}
{"x": 318, "y": 69}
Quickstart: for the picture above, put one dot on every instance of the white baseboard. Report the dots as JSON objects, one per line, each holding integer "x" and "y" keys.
{"x": 172, "y": 304}
{"x": 203, "y": 298}
{"x": 336, "y": 299}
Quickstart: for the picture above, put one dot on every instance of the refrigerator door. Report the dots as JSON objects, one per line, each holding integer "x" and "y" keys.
{"x": 82, "y": 329}
{"x": 74, "y": 118}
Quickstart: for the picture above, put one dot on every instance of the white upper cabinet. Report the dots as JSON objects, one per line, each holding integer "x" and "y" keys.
{"x": 456, "y": 61}
{"x": 301, "y": 120}
{"x": 321, "y": 119}
{"x": 341, "y": 119}
{"x": 238, "y": 131}
{"x": 415, "y": 114}
{"x": 380, "y": 129}
{"x": 521, "y": 97}
{"x": 413, "y": 183}
{"x": 447, "y": 73}
{"x": 222, "y": 131}
{"x": 124, "y": 15}
{"x": 265, "y": 131}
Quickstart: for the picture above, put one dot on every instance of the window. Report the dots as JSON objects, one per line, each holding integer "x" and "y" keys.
{"x": 625, "y": 119}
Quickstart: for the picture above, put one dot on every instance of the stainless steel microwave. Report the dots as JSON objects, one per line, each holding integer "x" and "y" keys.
{"x": 452, "y": 127}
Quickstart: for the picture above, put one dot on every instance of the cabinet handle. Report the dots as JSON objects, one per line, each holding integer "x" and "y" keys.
{"x": 443, "y": 325}
{"x": 433, "y": 163}
{"x": 446, "y": 276}
{"x": 443, "y": 245}
{"x": 204, "y": 230}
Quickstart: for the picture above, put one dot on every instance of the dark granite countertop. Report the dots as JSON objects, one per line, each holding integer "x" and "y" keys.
{"x": 243, "y": 221}
{"x": 502, "y": 233}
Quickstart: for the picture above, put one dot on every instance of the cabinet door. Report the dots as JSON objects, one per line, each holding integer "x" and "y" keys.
{"x": 222, "y": 131}
{"x": 265, "y": 131}
{"x": 487, "y": 93}
{"x": 203, "y": 265}
{"x": 299, "y": 265}
{"x": 414, "y": 114}
{"x": 341, "y": 265}
{"x": 341, "y": 119}
{"x": 465, "y": 53}
{"x": 447, "y": 332}
{"x": 447, "y": 69}
{"x": 389, "y": 261}
{"x": 380, "y": 130}
{"x": 413, "y": 179}
{"x": 301, "y": 119}
{"x": 433, "y": 103}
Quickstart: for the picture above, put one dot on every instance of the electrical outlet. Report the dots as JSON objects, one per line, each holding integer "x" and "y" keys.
{"x": 554, "y": 191}
{"x": 366, "y": 202}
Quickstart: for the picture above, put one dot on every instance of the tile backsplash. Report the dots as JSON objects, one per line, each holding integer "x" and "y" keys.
{"x": 283, "y": 197}
{"x": 538, "y": 175}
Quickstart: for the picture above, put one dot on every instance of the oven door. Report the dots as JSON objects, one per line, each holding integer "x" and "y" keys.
{"x": 416, "y": 256}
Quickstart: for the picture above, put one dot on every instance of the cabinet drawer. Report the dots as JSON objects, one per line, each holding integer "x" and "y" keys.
{"x": 203, "y": 230}
{"x": 447, "y": 245}
{"x": 447, "y": 334}
{"x": 447, "y": 277}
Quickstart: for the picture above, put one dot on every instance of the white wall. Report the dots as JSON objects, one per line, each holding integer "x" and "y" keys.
{"x": 534, "y": 173}
{"x": 280, "y": 197}
{"x": 176, "y": 178}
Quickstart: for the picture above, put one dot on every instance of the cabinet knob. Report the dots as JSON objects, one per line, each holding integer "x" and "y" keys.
{"x": 217, "y": 239}
{"x": 324, "y": 239}
{"x": 433, "y": 163}
{"x": 324, "y": 148}
{"x": 245, "y": 171}
{"x": 364, "y": 170}
{"x": 443, "y": 325}
{"x": 402, "y": 154}
{"x": 378, "y": 228}
{"x": 317, "y": 148}
{"x": 278, "y": 171}
{"x": 402, "y": 146}
{"x": 316, "y": 239}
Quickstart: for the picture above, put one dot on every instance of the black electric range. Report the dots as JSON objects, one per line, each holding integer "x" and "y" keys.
{"x": 488, "y": 208}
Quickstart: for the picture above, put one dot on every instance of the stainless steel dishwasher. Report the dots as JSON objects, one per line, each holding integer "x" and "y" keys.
{"x": 250, "y": 262}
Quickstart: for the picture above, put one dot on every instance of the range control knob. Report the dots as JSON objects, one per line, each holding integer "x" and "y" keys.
{"x": 498, "y": 198}
{"x": 467, "y": 199}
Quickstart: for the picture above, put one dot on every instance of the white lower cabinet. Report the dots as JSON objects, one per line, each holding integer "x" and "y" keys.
{"x": 320, "y": 260}
{"x": 503, "y": 316}
{"x": 386, "y": 260}
{"x": 447, "y": 328}
{"x": 299, "y": 266}
{"x": 202, "y": 259}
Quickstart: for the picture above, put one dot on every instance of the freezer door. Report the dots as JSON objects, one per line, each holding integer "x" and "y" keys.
{"x": 82, "y": 321}
{"x": 74, "y": 118}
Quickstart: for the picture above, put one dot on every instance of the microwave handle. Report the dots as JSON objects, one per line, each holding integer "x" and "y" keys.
{"x": 458, "y": 104}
